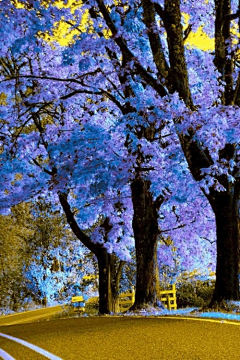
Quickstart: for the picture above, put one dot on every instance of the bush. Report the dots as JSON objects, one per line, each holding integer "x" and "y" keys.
{"x": 194, "y": 293}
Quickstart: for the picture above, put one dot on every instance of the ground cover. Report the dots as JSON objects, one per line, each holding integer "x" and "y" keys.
{"x": 192, "y": 312}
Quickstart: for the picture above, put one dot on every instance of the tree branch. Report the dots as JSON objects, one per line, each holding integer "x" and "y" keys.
{"x": 175, "y": 228}
{"x": 159, "y": 201}
{"x": 178, "y": 74}
{"x": 159, "y": 10}
{"x": 154, "y": 39}
{"x": 223, "y": 63}
{"x": 127, "y": 53}
{"x": 231, "y": 16}
{"x": 41, "y": 167}
{"x": 74, "y": 226}
{"x": 64, "y": 97}
{"x": 187, "y": 32}
{"x": 113, "y": 99}
{"x": 50, "y": 78}
{"x": 210, "y": 241}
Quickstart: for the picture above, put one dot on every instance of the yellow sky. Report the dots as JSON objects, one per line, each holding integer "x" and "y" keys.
{"x": 200, "y": 40}
{"x": 64, "y": 36}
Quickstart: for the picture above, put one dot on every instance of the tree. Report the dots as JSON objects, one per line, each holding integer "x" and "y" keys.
{"x": 13, "y": 249}
{"x": 41, "y": 260}
{"x": 213, "y": 159}
{"x": 59, "y": 157}
{"x": 141, "y": 74}
{"x": 109, "y": 267}
{"x": 80, "y": 139}
{"x": 55, "y": 257}
{"x": 220, "y": 158}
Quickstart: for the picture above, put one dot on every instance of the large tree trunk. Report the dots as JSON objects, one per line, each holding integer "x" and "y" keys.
{"x": 104, "y": 282}
{"x": 226, "y": 209}
{"x": 110, "y": 271}
{"x": 116, "y": 271}
{"x": 145, "y": 227}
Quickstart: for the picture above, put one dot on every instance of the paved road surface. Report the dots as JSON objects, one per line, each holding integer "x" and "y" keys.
{"x": 109, "y": 338}
{"x": 29, "y": 316}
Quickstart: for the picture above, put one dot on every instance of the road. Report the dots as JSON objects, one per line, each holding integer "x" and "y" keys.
{"x": 29, "y": 316}
{"x": 122, "y": 338}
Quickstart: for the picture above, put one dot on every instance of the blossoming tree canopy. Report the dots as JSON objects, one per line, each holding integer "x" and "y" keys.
{"x": 130, "y": 75}
{"x": 94, "y": 63}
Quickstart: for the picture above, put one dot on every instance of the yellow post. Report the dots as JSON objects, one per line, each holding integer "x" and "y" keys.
{"x": 168, "y": 302}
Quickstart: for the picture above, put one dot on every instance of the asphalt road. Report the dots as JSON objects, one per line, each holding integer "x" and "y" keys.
{"x": 28, "y": 316}
{"x": 109, "y": 338}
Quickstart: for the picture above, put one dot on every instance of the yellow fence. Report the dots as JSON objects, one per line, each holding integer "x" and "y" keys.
{"x": 126, "y": 300}
{"x": 92, "y": 301}
{"x": 168, "y": 298}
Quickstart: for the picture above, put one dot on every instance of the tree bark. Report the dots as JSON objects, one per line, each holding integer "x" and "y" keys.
{"x": 145, "y": 227}
{"x": 104, "y": 282}
{"x": 226, "y": 209}
{"x": 116, "y": 271}
{"x": 109, "y": 280}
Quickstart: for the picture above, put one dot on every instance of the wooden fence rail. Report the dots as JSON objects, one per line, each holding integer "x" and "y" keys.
{"x": 126, "y": 300}
{"x": 168, "y": 298}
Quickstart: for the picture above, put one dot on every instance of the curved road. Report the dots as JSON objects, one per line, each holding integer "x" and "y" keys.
{"x": 122, "y": 338}
{"x": 29, "y": 316}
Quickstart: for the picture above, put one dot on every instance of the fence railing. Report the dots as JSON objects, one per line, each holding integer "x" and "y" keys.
{"x": 169, "y": 298}
{"x": 126, "y": 300}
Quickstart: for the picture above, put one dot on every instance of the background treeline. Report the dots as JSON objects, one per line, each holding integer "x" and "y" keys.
{"x": 41, "y": 260}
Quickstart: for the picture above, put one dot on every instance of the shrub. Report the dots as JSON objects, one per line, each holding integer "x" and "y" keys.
{"x": 194, "y": 293}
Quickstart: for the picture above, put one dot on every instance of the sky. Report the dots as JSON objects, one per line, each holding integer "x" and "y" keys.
{"x": 62, "y": 34}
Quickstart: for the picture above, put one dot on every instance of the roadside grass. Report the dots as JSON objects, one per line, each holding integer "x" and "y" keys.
{"x": 90, "y": 311}
{"x": 69, "y": 312}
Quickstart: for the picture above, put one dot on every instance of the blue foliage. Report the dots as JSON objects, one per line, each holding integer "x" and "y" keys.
{"x": 67, "y": 59}
{"x": 85, "y": 63}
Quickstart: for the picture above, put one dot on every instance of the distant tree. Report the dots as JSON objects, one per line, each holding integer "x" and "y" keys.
{"x": 56, "y": 258}
{"x": 15, "y": 232}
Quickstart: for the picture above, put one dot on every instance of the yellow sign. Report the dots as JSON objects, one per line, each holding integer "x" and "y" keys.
{"x": 77, "y": 299}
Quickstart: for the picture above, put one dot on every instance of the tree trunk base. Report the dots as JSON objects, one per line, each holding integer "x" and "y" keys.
{"x": 219, "y": 306}
{"x": 147, "y": 308}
